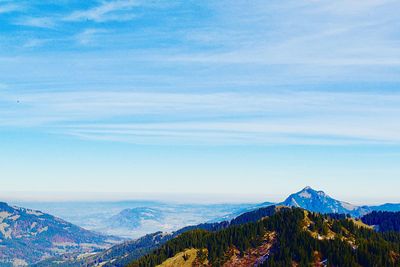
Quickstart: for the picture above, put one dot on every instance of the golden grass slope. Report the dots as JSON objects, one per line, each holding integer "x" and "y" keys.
{"x": 186, "y": 258}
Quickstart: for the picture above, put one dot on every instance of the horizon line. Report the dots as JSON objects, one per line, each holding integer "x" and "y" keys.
{"x": 174, "y": 197}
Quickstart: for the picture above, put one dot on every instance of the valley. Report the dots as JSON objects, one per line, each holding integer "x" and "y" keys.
{"x": 322, "y": 214}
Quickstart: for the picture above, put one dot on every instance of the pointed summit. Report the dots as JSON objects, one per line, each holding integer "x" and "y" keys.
{"x": 318, "y": 201}
{"x": 309, "y": 190}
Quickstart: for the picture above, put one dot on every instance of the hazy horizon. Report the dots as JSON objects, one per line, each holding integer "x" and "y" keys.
{"x": 177, "y": 198}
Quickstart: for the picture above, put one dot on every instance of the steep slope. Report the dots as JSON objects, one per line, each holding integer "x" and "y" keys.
{"x": 116, "y": 256}
{"x": 290, "y": 237}
{"x": 186, "y": 258}
{"x": 27, "y": 236}
{"x": 318, "y": 201}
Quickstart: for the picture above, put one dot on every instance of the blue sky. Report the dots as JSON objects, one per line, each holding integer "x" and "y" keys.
{"x": 255, "y": 98}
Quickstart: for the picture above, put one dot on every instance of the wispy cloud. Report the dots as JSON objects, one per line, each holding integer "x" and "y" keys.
{"x": 249, "y": 49}
{"x": 88, "y": 36}
{"x": 107, "y": 11}
{"x": 238, "y": 133}
{"x": 314, "y": 33}
{"x": 236, "y": 118}
{"x": 344, "y": 7}
{"x": 35, "y": 42}
{"x": 39, "y": 22}
{"x": 8, "y": 8}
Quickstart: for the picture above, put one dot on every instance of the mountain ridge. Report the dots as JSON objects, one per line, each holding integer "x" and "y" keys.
{"x": 289, "y": 237}
{"x": 28, "y": 236}
{"x": 312, "y": 200}
{"x": 318, "y": 201}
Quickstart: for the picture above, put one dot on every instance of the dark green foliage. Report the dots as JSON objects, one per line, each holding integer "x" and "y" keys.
{"x": 242, "y": 237}
{"x": 201, "y": 255}
{"x": 385, "y": 220}
{"x": 204, "y": 226}
{"x": 293, "y": 243}
{"x": 253, "y": 216}
{"x": 337, "y": 216}
{"x": 127, "y": 252}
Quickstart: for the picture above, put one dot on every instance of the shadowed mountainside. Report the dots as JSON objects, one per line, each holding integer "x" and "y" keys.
{"x": 27, "y": 236}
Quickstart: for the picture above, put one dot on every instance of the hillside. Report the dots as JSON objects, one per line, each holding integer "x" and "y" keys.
{"x": 290, "y": 237}
{"x": 383, "y": 221}
{"x": 27, "y": 236}
{"x": 121, "y": 254}
{"x": 189, "y": 257}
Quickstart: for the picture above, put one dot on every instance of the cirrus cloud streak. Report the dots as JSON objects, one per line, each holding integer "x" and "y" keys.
{"x": 306, "y": 117}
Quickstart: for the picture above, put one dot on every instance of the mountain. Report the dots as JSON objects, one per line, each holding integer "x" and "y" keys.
{"x": 289, "y": 237}
{"x": 318, "y": 201}
{"x": 121, "y": 254}
{"x": 28, "y": 236}
{"x": 135, "y": 217}
{"x": 139, "y": 221}
{"x": 116, "y": 256}
{"x": 386, "y": 207}
{"x": 128, "y": 251}
{"x": 337, "y": 226}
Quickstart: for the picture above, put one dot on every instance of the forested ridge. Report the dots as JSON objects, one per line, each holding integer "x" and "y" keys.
{"x": 383, "y": 220}
{"x": 301, "y": 237}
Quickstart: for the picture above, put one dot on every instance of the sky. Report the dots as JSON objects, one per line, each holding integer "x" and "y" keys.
{"x": 256, "y": 99}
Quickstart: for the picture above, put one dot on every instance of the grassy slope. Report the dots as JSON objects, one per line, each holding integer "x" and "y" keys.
{"x": 179, "y": 260}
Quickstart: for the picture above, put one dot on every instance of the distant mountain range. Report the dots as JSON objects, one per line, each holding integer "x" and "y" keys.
{"x": 51, "y": 237}
{"x": 307, "y": 199}
{"x": 28, "y": 236}
{"x": 138, "y": 221}
{"x": 122, "y": 254}
{"x": 320, "y": 230}
{"x": 133, "y": 218}
{"x": 284, "y": 237}
{"x": 318, "y": 201}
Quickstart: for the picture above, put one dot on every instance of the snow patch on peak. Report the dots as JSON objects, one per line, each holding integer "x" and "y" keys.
{"x": 348, "y": 206}
{"x": 305, "y": 194}
{"x": 294, "y": 203}
{"x": 34, "y": 212}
